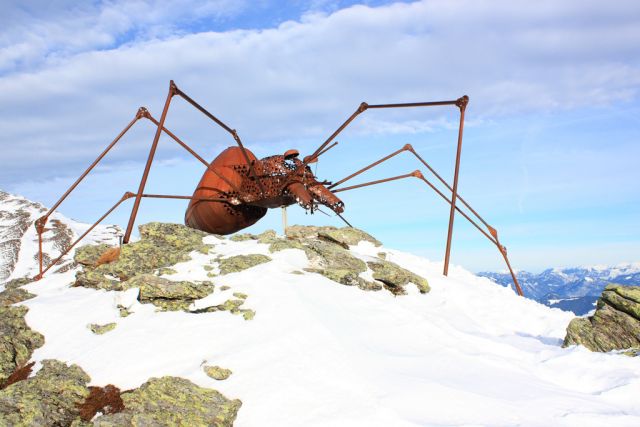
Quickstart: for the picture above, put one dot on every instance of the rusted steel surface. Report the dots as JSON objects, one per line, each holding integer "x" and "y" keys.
{"x": 237, "y": 189}
{"x": 462, "y": 104}
{"x": 147, "y": 167}
{"x": 285, "y": 181}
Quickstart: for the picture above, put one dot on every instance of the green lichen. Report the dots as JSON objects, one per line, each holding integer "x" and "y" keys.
{"x": 160, "y": 245}
{"x": 15, "y": 295}
{"x": 172, "y": 401}
{"x": 395, "y": 278}
{"x": 101, "y": 329}
{"x": 241, "y": 262}
{"x": 217, "y": 373}
{"x": 615, "y": 324}
{"x": 248, "y": 314}
{"x": 124, "y": 311}
{"x": 50, "y": 398}
{"x": 243, "y": 237}
{"x": 89, "y": 254}
{"x": 267, "y": 237}
{"x": 16, "y": 283}
{"x": 240, "y": 295}
{"x": 166, "y": 271}
{"x": 17, "y": 340}
{"x": 347, "y": 236}
{"x": 335, "y": 263}
{"x": 166, "y": 294}
{"x": 282, "y": 244}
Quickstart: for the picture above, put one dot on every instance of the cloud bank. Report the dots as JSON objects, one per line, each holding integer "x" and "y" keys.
{"x": 77, "y": 76}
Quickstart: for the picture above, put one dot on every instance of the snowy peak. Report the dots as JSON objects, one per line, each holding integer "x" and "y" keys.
{"x": 19, "y": 239}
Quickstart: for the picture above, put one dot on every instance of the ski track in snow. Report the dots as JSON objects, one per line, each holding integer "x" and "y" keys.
{"x": 317, "y": 353}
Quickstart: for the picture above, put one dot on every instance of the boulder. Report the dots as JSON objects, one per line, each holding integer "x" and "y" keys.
{"x": 160, "y": 245}
{"x": 12, "y": 296}
{"x": 395, "y": 278}
{"x": 50, "y": 398}
{"x": 172, "y": 401}
{"x": 17, "y": 340}
{"x": 101, "y": 329}
{"x": 241, "y": 262}
{"x": 217, "y": 373}
{"x": 335, "y": 263}
{"x": 167, "y": 294}
{"x": 615, "y": 325}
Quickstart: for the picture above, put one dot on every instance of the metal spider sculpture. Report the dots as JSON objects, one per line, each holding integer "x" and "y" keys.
{"x": 237, "y": 189}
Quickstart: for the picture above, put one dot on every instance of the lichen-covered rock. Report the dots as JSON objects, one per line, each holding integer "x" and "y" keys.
{"x": 12, "y": 296}
{"x": 50, "y": 398}
{"x": 231, "y": 305}
{"x": 243, "y": 237}
{"x": 305, "y": 232}
{"x": 267, "y": 237}
{"x": 217, "y": 373}
{"x": 335, "y": 263}
{"x": 17, "y": 340}
{"x": 167, "y": 294}
{"x": 16, "y": 283}
{"x": 101, "y": 329}
{"x": 241, "y": 262}
{"x": 615, "y": 324}
{"x": 347, "y": 236}
{"x": 395, "y": 278}
{"x": 172, "y": 401}
{"x": 89, "y": 254}
{"x": 160, "y": 245}
{"x": 282, "y": 244}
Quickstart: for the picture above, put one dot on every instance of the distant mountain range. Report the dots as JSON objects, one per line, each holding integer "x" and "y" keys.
{"x": 573, "y": 289}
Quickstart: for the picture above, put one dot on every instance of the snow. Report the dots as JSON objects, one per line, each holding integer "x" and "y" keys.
{"x": 317, "y": 353}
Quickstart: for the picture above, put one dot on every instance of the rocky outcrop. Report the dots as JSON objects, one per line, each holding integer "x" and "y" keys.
{"x": 395, "y": 278}
{"x": 328, "y": 254}
{"x": 344, "y": 236}
{"x": 58, "y": 396}
{"x": 238, "y": 263}
{"x": 172, "y": 401}
{"x": 15, "y": 295}
{"x": 335, "y": 263}
{"x": 160, "y": 245}
{"x": 51, "y": 398}
{"x": 17, "y": 340}
{"x": 615, "y": 324}
{"x": 166, "y": 294}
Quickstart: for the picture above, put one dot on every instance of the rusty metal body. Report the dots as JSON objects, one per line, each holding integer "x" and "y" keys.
{"x": 285, "y": 181}
{"x": 237, "y": 189}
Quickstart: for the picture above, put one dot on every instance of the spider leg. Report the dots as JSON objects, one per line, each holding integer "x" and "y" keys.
{"x": 174, "y": 90}
{"x": 492, "y": 235}
{"x": 461, "y": 103}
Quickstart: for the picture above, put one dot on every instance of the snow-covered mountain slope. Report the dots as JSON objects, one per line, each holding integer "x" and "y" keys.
{"x": 19, "y": 240}
{"x": 575, "y": 289}
{"x": 319, "y": 353}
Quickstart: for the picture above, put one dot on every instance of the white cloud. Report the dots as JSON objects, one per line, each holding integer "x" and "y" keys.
{"x": 301, "y": 79}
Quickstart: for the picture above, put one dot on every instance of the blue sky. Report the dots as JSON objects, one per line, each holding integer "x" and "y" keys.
{"x": 550, "y": 154}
